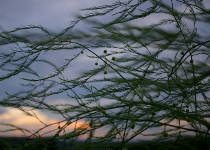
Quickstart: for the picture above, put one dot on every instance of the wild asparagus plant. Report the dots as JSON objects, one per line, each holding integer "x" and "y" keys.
{"x": 145, "y": 79}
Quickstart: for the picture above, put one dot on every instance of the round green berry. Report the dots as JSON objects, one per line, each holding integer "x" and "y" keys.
{"x": 165, "y": 134}
{"x": 191, "y": 61}
{"x": 103, "y": 111}
{"x": 91, "y": 123}
{"x": 132, "y": 125}
{"x": 113, "y": 58}
{"x": 182, "y": 53}
{"x": 105, "y": 72}
{"x": 105, "y": 51}
{"x": 96, "y": 63}
{"x": 82, "y": 52}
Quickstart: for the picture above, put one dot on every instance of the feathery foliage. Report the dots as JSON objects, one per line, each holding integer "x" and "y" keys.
{"x": 145, "y": 79}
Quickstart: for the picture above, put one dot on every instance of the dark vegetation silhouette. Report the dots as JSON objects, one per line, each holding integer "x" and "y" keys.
{"x": 144, "y": 80}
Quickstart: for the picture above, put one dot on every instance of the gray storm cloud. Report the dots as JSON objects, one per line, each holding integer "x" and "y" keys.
{"x": 52, "y": 14}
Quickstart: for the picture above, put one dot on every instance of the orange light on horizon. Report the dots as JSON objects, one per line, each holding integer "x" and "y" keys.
{"x": 20, "y": 119}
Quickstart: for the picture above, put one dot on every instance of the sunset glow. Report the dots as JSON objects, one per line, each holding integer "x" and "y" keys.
{"x": 22, "y": 120}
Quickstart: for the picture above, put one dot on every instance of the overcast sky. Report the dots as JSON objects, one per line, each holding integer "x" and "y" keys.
{"x": 52, "y": 14}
